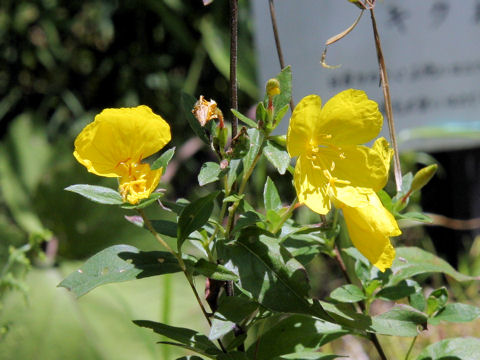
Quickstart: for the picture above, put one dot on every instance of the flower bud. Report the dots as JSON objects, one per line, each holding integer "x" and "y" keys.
{"x": 423, "y": 176}
{"x": 272, "y": 87}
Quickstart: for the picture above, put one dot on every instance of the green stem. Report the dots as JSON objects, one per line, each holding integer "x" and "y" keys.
{"x": 233, "y": 208}
{"x": 371, "y": 336}
{"x": 410, "y": 348}
{"x": 157, "y": 236}
{"x": 286, "y": 215}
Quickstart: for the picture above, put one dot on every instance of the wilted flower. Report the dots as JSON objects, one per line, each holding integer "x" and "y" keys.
{"x": 204, "y": 111}
{"x": 331, "y": 166}
{"x": 115, "y": 144}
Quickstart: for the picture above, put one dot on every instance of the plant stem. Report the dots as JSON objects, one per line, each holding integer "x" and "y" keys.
{"x": 233, "y": 62}
{"x": 410, "y": 348}
{"x": 182, "y": 265}
{"x": 233, "y": 208}
{"x": 273, "y": 17}
{"x": 388, "y": 102}
{"x": 286, "y": 215}
{"x": 371, "y": 336}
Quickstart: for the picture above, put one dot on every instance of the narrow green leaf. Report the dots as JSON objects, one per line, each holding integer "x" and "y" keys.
{"x": 233, "y": 198}
{"x": 271, "y": 198}
{"x": 233, "y": 171}
{"x": 244, "y": 119}
{"x": 256, "y": 141}
{"x": 466, "y": 348}
{"x": 281, "y": 113}
{"x": 411, "y": 261}
{"x": 209, "y": 172}
{"x": 188, "y": 102}
{"x": 116, "y": 264}
{"x": 214, "y": 271}
{"x": 188, "y": 337}
{"x": 414, "y": 216}
{"x": 163, "y": 160}
{"x": 456, "y": 313}
{"x": 99, "y": 194}
{"x": 277, "y": 156}
{"x": 261, "y": 112}
{"x": 348, "y": 293}
{"x": 194, "y": 216}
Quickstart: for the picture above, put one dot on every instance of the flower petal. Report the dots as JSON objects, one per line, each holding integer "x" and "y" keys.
{"x": 350, "y": 118}
{"x": 360, "y": 165}
{"x": 119, "y": 135}
{"x": 369, "y": 228}
{"x": 303, "y": 122}
{"x": 311, "y": 186}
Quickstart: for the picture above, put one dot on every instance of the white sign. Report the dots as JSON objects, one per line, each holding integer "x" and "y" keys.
{"x": 431, "y": 48}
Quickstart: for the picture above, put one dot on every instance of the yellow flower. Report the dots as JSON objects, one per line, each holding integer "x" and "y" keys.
{"x": 115, "y": 144}
{"x": 331, "y": 166}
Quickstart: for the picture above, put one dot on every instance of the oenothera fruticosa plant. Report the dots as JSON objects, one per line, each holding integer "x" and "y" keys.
{"x": 254, "y": 255}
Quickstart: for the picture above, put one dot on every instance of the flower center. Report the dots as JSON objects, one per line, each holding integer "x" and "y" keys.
{"x": 133, "y": 184}
{"x": 332, "y": 181}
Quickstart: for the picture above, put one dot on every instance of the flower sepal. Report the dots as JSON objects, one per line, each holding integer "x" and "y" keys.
{"x": 154, "y": 197}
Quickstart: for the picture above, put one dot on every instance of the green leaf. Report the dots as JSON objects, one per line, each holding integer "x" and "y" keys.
{"x": 466, "y": 348}
{"x": 271, "y": 198}
{"x": 437, "y": 300}
{"x": 456, "y": 313}
{"x": 256, "y": 141}
{"x": 313, "y": 355}
{"x": 417, "y": 299}
{"x": 270, "y": 274}
{"x": 237, "y": 355}
{"x": 282, "y": 99}
{"x": 188, "y": 102}
{"x": 281, "y": 113}
{"x": 243, "y": 118}
{"x": 99, "y": 194}
{"x": 119, "y": 263}
{"x": 209, "y": 173}
{"x": 194, "y": 216}
{"x": 414, "y": 216}
{"x": 233, "y": 170}
{"x": 163, "y": 160}
{"x": 145, "y": 202}
{"x": 348, "y": 294}
{"x": 191, "y": 339}
{"x": 261, "y": 112}
{"x": 214, "y": 271}
{"x": 165, "y": 227}
{"x": 396, "y": 292}
{"x": 277, "y": 156}
{"x": 411, "y": 261}
{"x": 291, "y": 334}
{"x": 399, "y": 321}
